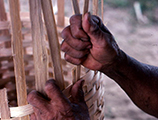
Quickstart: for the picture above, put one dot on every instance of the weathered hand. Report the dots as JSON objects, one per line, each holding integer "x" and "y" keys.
{"x": 88, "y": 42}
{"x": 57, "y": 106}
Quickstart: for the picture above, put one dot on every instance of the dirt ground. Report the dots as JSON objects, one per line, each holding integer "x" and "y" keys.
{"x": 137, "y": 40}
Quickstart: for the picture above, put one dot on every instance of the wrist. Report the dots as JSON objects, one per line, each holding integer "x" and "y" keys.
{"x": 117, "y": 63}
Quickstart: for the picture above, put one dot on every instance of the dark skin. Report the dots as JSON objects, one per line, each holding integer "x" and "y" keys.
{"x": 89, "y": 43}
{"x": 56, "y": 106}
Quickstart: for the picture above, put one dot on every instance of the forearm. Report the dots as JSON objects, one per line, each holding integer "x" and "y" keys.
{"x": 139, "y": 81}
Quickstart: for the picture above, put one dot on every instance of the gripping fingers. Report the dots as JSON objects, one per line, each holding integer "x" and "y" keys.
{"x": 76, "y": 28}
{"x": 74, "y": 61}
{"x": 73, "y": 52}
{"x": 77, "y": 44}
{"x": 36, "y": 100}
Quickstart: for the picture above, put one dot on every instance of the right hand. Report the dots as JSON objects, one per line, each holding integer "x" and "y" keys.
{"x": 88, "y": 42}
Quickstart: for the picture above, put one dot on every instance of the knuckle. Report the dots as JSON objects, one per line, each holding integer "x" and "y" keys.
{"x": 64, "y": 47}
{"x": 75, "y": 32}
{"x": 51, "y": 85}
{"x": 72, "y": 60}
{"x": 67, "y": 57}
{"x": 75, "y": 18}
{"x": 32, "y": 95}
{"x": 79, "y": 46}
{"x": 66, "y": 32}
{"x": 81, "y": 54}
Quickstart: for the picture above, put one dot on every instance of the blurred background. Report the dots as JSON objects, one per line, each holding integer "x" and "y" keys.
{"x": 134, "y": 25}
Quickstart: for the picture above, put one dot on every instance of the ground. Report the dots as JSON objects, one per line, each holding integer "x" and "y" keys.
{"x": 139, "y": 41}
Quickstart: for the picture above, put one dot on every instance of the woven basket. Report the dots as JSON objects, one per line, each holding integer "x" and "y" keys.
{"x": 93, "y": 87}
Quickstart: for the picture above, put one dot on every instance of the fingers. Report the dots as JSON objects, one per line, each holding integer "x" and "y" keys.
{"x": 76, "y": 28}
{"x": 77, "y": 92}
{"x": 73, "y": 52}
{"x": 55, "y": 94}
{"x": 95, "y": 29}
{"x": 73, "y": 42}
{"x": 74, "y": 61}
{"x": 37, "y": 100}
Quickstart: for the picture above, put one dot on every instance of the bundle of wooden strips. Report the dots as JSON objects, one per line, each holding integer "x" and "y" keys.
{"x": 25, "y": 40}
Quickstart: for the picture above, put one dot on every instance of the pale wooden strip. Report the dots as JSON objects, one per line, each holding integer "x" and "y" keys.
{"x": 17, "y": 52}
{"x": 86, "y": 6}
{"x": 67, "y": 90}
{"x": 4, "y": 25}
{"x": 4, "y": 109}
{"x": 77, "y": 74}
{"x": 21, "y": 110}
{"x": 74, "y": 79}
{"x": 3, "y": 17}
{"x": 102, "y": 10}
{"x": 85, "y": 10}
{"x": 15, "y": 119}
{"x": 39, "y": 48}
{"x": 61, "y": 15}
{"x": 95, "y": 7}
{"x": 5, "y": 52}
{"x": 5, "y": 38}
{"x": 53, "y": 41}
{"x": 16, "y": 112}
{"x": 76, "y": 6}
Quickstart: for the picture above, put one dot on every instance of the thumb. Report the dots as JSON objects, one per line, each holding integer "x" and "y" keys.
{"x": 77, "y": 92}
{"x": 94, "y": 27}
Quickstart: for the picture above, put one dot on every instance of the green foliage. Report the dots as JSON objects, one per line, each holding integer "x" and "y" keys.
{"x": 117, "y": 3}
{"x": 148, "y": 6}
{"x": 149, "y": 9}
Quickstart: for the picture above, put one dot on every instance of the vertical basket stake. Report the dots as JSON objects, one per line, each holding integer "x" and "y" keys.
{"x": 102, "y": 10}
{"x": 76, "y": 6}
{"x": 95, "y": 7}
{"x": 86, "y": 6}
{"x": 60, "y": 16}
{"x": 4, "y": 108}
{"x": 53, "y": 41}
{"x": 3, "y": 17}
{"x": 77, "y": 72}
{"x": 39, "y": 47}
{"x": 17, "y": 52}
{"x": 77, "y": 11}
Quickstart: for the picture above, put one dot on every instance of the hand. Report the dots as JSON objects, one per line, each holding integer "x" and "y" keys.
{"x": 88, "y": 42}
{"x": 57, "y": 106}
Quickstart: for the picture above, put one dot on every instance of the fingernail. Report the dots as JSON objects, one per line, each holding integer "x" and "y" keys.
{"x": 87, "y": 16}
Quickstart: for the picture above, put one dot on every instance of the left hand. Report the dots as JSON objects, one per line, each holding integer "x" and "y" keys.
{"x": 57, "y": 106}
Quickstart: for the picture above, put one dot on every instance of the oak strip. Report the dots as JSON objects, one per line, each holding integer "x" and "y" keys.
{"x": 17, "y": 52}
{"x": 39, "y": 47}
{"x": 53, "y": 41}
{"x": 4, "y": 108}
